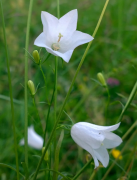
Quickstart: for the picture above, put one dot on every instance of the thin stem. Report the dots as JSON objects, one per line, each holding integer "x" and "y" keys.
{"x": 10, "y": 88}
{"x": 72, "y": 83}
{"x": 131, "y": 96}
{"x": 112, "y": 165}
{"x": 108, "y": 100}
{"x": 26, "y": 80}
{"x": 44, "y": 80}
{"x": 43, "y": 74}
{"x": 55, "y": 112}
{"x": 130, "y": 129}
{"x": 81, "y": 170}
{"x": 47, "y": 119}
{"x": 37, "y": 113}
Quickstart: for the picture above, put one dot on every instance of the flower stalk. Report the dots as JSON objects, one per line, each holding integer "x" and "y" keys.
{"x": 81, "y": 170}
{"x": 11, "y": 94}
{"x": 131, "y": 96}
{"x": 26, "y": 80}
{"x": 72, "y": 83}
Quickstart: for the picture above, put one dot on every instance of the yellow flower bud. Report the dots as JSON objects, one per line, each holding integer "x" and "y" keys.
{"x": 31, "y": 87}
{"x": 36, "y": 56}
{"x": 101, "y": 79}
{"x": 46, "y": 157}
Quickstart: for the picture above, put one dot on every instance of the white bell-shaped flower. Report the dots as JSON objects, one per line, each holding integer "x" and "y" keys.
{"x": 59, "y": 36}
{"x": 34, "y": 140}
{"x": 96, "y": 140}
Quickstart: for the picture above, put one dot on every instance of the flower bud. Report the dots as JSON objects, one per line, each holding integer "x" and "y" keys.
{"x": 46, "y": 157}
{"x": 101, "y": 79}
{"x": 31, "y": 87}
{"x": 36, "y": 56}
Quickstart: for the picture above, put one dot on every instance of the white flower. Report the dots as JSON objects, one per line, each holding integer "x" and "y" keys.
{"x": 34, "y": 140}
{"x": 59, "y": 36}
{"x": 96, "y": 140}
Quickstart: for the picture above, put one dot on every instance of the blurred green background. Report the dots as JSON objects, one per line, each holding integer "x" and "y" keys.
{"x": 113, "y": 52}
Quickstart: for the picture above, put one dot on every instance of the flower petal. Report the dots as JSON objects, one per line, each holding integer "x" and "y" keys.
{"x": 50, "y": 24}
{"x": 79, "y": 38}
{"x": 102, "y": 128}
{"x": 68, "y": 24}
{"x": 112, "y": 140}
{"x": 34, "y": 140}
{"x": 102, "y": 155}
{"x": 88, "y": 148}
{"x": 66, "y": 56}
{"x": 83, "y": 135}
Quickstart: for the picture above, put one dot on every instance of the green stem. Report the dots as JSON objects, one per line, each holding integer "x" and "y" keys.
{"x": 55, "y": 112}
{"x": 81, "y": 170}
{"x": 72, "y": 83}
{"x": 10, "y": 88}
{"x": 131, "y": 96}
{"x": 108, "y": 100}
{"x": 37, "y": 113}
{"x": 130, "y": 129}
{"x": 47, "y": 119}
{"x": 26, "y": 80}
{"x": 43, "y": 74}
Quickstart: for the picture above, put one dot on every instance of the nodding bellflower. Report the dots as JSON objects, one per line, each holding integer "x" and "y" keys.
{"x": 59, "y": 36}
{"x": 96, "y": 140}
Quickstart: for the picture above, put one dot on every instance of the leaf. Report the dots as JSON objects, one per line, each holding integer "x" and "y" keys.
{"x": 69, "y": 117}
{"x": 68, "y": 175}
{"x": 61, "y": 174}
{"x": 65, "y": 127}
{"x": 115, "y": 102}
{"x": 96, "y": 81}
{"x": 10, "y": 167}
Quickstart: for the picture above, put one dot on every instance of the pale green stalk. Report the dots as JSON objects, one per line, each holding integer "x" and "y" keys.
{"x": 26, "y": 80}
{"x": 10, "y": 88}
{"x": 131, "y": 96}
{"x": 55, "y": 112}
{"x": 56, "y": 161}
{"x": 43, "y": 75}
{"x": 72, "y": 83}
{"x": 55, "y": 98}
{"x": 112, "y": 165}
{"x": 108, "y": 100}
{"x": 81, "y": 170}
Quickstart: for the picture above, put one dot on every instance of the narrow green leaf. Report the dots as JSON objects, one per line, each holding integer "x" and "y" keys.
{"x": 10, "y": 167}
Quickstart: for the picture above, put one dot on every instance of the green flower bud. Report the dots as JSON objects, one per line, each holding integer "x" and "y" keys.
{"x": 36, "y": 56}
{"x": 46, "y": 157}
{"x": 31, "y": 87}
{"x": 101, "y": 79}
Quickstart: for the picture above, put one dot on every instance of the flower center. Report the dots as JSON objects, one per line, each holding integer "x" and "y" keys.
{"x": 56, "y": 46}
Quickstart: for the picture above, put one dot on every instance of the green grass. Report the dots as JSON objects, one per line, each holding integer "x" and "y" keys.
{"x": 113, "y": 52}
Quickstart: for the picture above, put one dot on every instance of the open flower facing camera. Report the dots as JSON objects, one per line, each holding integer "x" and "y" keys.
{"x": 59, "y": 36}
{"x": 34, "y": 140}
{"x": 96, "y": 140}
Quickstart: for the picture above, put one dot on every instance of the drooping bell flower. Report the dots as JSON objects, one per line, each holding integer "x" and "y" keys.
{"x": 34, "y": 140}
{"x": 59, "y": 36}
{"x": 96, "y": 140}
